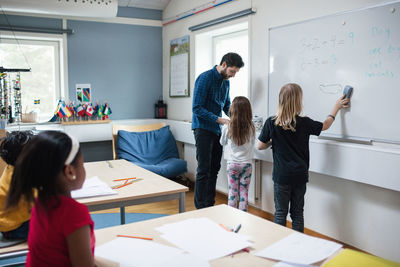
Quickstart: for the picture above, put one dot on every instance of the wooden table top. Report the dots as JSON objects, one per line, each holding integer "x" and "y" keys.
{"x": 146, "y": 184}
{"x": 263, "y": 233}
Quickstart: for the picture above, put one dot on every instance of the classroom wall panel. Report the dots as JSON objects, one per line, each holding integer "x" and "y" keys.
{"x": 139, "y": 13}
{"x": 121, "y": 62}
{"x": 28, "y": 21}
{"x": 347, "y": 210}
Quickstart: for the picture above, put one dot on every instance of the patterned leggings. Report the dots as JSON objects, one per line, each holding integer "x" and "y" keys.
{"x": 239, "y": 175}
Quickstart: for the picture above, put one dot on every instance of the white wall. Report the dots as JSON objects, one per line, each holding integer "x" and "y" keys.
{"x": 358, "y": 214}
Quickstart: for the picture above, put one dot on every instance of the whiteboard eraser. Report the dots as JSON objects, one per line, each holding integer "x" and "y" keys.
{"x": 347, "y": 91}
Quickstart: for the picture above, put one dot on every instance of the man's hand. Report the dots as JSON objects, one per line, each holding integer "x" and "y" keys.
{"x": 222, "y": 121}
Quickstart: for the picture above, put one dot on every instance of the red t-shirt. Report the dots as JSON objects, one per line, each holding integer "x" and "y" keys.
{"x": 48, "y": 231}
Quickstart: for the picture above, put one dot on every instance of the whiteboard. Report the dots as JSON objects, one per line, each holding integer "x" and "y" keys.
{"x": 359, "y": 48}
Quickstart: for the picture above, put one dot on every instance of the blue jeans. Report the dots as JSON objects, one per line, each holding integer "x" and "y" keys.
{"x": 19, "y": 233}
{"x": 208, "y": 155}
{"x": 284, "y": 195}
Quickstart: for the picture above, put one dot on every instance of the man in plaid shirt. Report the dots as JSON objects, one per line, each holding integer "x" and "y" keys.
{"x": 211, "y": 96}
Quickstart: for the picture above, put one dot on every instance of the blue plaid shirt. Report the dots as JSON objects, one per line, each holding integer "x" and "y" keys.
{"x": 211, "y": 96}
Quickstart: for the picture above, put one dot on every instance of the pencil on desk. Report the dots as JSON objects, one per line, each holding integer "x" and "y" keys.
{"x": 124, "y": 179}
{"x": 139, "y": 237}
{"x": 119, "y": 186}
{"x": 226, "y": 228}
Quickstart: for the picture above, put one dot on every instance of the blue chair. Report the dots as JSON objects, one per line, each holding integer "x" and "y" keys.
{"x": 154, "y": 150}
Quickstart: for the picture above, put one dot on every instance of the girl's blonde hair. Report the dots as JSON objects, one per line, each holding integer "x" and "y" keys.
{"x": 290, "y": 105}
{"x": 241, "y": 126}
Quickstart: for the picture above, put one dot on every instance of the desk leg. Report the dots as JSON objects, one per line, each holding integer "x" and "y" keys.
{"x": 122, "y": 215}
{"x": 182, "y": 202}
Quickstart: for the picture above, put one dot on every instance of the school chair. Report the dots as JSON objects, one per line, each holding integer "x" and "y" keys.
{"x": 150, "y": 146}
{"x": 10, "y": 261}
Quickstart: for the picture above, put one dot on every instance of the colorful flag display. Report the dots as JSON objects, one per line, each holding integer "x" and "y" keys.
{"x": 81, "y": 111}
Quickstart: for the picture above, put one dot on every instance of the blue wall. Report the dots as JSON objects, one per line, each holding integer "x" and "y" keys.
{"x": 12, "y": 20}
{"x": 139, "y": 13}
{"x": 123, "y": 64}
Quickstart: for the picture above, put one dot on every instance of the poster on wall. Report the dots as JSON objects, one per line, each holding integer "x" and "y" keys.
{"x": 179, "y": 67}
{"x": 83, "y": 92}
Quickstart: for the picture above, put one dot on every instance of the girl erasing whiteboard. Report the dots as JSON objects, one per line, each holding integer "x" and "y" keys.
{"x": 289, "y": 133}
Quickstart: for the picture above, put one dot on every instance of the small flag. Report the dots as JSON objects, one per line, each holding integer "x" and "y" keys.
{"x": 106, "y": 110}
{"x": 89, "y": 109}
{"x": 60, "y": 112}
{"x": 96, "y": 108}
{"x": 100, "y": 111}
{"x": 57, "y": 108}
{"x": 54, "y": 118}
{"x": 71, "y": 108}
{"x": 81, "y": 110}
{"x": 65, "y": 110}
{"x": 36, "y": 101}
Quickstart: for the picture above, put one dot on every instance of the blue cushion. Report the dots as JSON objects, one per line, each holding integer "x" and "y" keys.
{"x": 153, "y": 150}
{"x": 169, "y": 168}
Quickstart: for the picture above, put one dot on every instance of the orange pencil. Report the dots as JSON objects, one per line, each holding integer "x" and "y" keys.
{"x": 139, "y": 237}
{"x": 226, "y": 228}
{"x": 124, "y": 179}
{"x": 125, "y": 184}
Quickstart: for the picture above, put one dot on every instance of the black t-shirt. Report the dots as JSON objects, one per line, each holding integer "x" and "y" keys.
{"x": 290, "y": 149}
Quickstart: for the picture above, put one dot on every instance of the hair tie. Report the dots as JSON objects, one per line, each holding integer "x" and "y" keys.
{"x": 74, "y": 150}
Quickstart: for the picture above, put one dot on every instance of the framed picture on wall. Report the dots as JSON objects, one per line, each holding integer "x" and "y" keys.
{"x": 179, "y": 67}
{"x": 83, "y": 93}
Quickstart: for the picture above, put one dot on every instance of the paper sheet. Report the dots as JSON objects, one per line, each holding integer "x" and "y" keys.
{"x": 93, "y": 187}
{"x": 300, "y": 248}
{"x": 141, "y": 253}
{"x": 203, "y": 237}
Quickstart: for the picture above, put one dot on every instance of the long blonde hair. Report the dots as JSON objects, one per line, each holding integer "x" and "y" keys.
{"x": 290, "y": 105}
{"x": 241, "y": 126}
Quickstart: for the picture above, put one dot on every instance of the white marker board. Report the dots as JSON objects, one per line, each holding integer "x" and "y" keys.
{"x": 359, "y": 48}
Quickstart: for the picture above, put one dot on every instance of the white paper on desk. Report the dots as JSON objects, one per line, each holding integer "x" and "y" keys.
{"x": 300, "y": 248}
{"x": 203, "y": 237}
{"x": 195, "y": 223}
{"x": 143, "y": 253}
{"x": 93, "y": 187}
{"x": 183, "y": 260}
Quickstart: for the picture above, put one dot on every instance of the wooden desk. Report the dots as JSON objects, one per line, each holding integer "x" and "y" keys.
{"x": 149, "y": 187}
{"x": 263, "y": 233}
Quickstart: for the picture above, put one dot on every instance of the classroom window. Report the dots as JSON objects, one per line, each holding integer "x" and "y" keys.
{"x": 44, "y": 83}
{"x": 216, "y": 43}
{"x": 234, "y": 42}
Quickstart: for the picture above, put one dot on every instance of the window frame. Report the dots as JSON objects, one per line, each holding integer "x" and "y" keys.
{"x": 58, "y": 41}
{"x": 203, "y": 56}
{"x": 240, "y": 32}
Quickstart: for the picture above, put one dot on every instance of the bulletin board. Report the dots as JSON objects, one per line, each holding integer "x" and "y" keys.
{"x": 179, "y": 67}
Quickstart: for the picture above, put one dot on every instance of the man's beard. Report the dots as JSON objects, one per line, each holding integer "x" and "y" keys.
{"x": 224, "y": 75}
